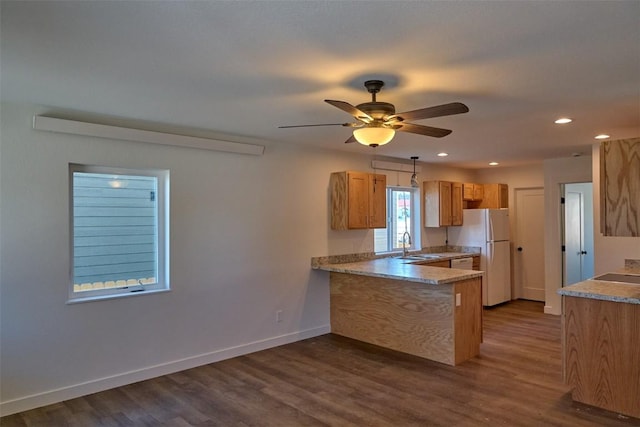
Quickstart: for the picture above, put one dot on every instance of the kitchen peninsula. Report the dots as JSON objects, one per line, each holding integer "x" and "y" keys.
{"x": 407, "y": 305}
{"x": 601, "y": 337}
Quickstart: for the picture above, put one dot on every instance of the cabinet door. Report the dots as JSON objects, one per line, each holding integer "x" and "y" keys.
{"x": 478, "y": 191}
{"x": 358, "y": 199}
{"x": 495, "y": 196}
{"x": 456, "y": 203}
{"x": 377, "y": 201}
{"x": 503, "y": 196}
{"x": 619, "y": 187}
{"x": 468, "y": 191}
{"x": 445, "y": 203}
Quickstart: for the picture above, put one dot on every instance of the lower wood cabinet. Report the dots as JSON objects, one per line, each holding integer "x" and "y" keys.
{"x": 600, "y": 353}
{"x": 443, "y": 264}
{"x": 438, "y": 322}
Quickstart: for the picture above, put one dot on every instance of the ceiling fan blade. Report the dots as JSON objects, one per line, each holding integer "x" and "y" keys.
{"x": 351, "y": 139}
{"x": 351, "y": 125}
{"x": 424, "y": 130}
{"x": 437, "y": 111}
{"x": 345, "y": 106}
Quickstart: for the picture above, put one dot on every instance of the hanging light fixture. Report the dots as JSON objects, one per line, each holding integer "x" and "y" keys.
{"x": 373, "y": 136}
{"x": 414, "y": 177}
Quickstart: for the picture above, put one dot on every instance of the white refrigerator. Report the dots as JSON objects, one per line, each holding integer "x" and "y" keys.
{"x": 489, "y": 230}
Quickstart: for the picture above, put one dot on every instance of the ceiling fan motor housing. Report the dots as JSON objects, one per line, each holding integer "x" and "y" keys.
{"x": 377, "y": 110}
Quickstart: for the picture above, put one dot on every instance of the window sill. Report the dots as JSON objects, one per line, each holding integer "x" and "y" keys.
{"x": 79, "y": 300}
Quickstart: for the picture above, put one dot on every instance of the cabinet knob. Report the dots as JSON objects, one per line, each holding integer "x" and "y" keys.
{"x": 519, "y": 248}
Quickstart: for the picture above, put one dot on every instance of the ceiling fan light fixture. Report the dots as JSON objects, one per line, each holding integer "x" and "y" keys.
{"x": 373, "y": 136}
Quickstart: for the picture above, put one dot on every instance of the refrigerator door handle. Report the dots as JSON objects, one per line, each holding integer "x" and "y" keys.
{"x": 491, "y": 234}
{"x": 491, "y": 252}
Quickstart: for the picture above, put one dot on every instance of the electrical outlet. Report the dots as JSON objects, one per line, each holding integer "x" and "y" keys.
{"x": 458, "y": 300}
{"x": 278, "y": 316}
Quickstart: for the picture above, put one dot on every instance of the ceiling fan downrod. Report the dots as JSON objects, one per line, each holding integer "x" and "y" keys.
{"x": 373, "y": 87}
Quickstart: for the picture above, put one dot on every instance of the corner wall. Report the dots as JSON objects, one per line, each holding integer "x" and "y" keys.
{"x": 556, "y": 172}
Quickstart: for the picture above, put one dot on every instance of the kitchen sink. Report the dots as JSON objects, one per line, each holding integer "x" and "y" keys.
{"x": 618, "y": 277}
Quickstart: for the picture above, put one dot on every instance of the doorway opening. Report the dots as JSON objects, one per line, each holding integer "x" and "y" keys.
{"x": 577, "y": 232}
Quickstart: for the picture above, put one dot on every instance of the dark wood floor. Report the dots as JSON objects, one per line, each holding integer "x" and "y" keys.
{"x": 336, "y": 381}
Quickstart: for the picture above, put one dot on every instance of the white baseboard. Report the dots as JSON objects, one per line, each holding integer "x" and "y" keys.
{"x": 71, "y": 392}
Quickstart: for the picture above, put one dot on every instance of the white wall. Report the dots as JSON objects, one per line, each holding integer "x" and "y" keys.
{"x": 610, "y": 252}
{"x": 243, "y": 230}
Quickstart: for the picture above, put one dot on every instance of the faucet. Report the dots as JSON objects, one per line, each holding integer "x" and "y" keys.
{"x": 406, "y": 238}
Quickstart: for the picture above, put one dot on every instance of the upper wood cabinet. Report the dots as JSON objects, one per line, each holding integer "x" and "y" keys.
{"x": 495, "y": 196}
{"x": 620, "y": 187}
{"x": 472, "y": 191}
{"x": 442, "y": 203}
{"x": 358, "y": 200}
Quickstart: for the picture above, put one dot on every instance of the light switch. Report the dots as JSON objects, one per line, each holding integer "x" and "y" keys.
{"x": 458, "y": 300}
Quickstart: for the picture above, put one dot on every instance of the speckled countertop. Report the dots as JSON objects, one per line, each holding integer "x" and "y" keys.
{"x": 606, "y": 290}
{"x": 399, "y": 269}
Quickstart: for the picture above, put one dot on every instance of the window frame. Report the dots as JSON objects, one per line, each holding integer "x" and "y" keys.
{"x": 413, "y": 223}
{"x": 162, "y": 251}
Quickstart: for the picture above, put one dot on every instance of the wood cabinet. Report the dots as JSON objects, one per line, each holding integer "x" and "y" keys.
{"x": 442, "y": 203}
{"x": 437, "y": 322}
{"x": 358, "y": 200}
{"x": 620, "y": 187}
{"x": 443, "y": 264}
{"x": 472, "y": 191}
{"x": 600, "y": 353}
{"x": 495, "y": 196}
{"x": 476, "y": 263}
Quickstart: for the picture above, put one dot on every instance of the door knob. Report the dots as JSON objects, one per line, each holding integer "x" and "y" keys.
{"x": 519, "y": 248}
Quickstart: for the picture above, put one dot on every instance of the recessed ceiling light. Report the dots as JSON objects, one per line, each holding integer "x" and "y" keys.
{"x": 602, "y": 136}
{"x": 563, "y": 120}
{"x": 493, "y": 164}
{"x": 443, "y": 154}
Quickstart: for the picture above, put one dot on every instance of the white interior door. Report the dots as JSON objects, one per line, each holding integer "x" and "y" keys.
{"x": 529, "y": 243}
{"x": 578, "y": 235}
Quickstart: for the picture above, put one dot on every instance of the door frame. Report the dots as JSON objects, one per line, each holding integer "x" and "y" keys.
{"x": 587, "y": 238}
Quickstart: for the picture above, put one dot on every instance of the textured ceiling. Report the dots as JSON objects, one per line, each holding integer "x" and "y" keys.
{"x": 245, "y": 67}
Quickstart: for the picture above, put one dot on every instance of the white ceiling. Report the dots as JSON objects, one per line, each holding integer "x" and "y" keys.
{"x": 245, "y": 67}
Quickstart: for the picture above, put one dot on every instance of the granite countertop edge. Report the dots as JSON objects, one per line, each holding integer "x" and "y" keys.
{"x": 391, "y": 267}
{"x": 605, "y": 290}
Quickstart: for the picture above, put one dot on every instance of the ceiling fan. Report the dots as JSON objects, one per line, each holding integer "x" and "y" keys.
{"x": 376, "y": 122}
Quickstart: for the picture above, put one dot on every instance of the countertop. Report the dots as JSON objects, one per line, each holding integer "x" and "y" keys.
{"x": 605, "y": 290}
{"x": 408, "y": 270}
